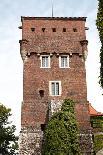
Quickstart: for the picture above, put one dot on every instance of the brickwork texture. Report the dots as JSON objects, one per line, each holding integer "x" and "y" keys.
{"x": 53, "y": 36}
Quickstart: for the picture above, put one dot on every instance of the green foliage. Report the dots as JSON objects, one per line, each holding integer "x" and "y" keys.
{"x": 98, "y": 142}
{"x": 61, "y": 134}
{"x": 8, "y": 141}
{"x": 97, "y": 122}
{"x": 68, "y": 106}
{"x": 99, "y": 23}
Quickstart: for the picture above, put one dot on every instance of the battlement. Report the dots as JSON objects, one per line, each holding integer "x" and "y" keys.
{"x": 53, "y": 35}
{"x": 53, "y": 18}
{"x": 47, "y": 25}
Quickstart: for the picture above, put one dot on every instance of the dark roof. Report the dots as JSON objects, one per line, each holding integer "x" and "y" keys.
{"x": 54, "y": 18}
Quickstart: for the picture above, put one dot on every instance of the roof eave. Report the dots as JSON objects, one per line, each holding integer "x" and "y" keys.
{"x": 54, "y": 18}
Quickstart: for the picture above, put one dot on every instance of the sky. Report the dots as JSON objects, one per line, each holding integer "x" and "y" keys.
{"x": 11, "y": 66}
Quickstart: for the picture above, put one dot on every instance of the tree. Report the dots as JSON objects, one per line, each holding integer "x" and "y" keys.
{"x": 8, "y": 141}
{"x": 61, "y": 134}
{"x": 99, "y": 23}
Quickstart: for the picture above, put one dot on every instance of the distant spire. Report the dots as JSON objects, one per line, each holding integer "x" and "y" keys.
{"x": 52, "y": 8}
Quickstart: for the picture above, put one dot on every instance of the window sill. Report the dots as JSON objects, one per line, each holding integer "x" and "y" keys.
{"x": 64, "y": 67}
{"x": 55, "y": 95}
{"x": 45, "y": 67}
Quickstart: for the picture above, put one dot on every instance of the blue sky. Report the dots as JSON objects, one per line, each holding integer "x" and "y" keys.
{"x": 10, "y": 61}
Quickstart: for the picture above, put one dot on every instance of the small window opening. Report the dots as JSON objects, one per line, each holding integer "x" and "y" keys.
{"x": 43, "y": 29}
{"x": 74, "y": 29}
{"x": 64, "y": 29}
{"x": 41, "y": 92}
{"x": 54, "y": 29}
{"x": 32, "y": 29}
{"x": 43, "y": 127}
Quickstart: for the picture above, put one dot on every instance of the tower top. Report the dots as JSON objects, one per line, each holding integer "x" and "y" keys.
{"x": 54, "y": 18}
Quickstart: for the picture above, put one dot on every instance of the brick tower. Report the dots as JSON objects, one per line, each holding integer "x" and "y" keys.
{"x": 53, "y": 50}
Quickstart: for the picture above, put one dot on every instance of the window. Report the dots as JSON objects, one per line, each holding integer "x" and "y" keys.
{"x": 45, "y": 61}
{"x": 54, "y": 29}
{"x": 41, "y": 92}
{"x": 74, "y": 29}
{"x": 43, "y": 29}
{"x": 55, "y": 88}
{"x": 64, "y": 29}
{"x": 64, "y": 61}
{"x": 32, "y": 29}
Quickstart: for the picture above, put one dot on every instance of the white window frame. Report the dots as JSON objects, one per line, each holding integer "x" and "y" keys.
{"x": 67, "y": 61}
{"x": 48, "y": 61}
{"x": 50, "y": 88}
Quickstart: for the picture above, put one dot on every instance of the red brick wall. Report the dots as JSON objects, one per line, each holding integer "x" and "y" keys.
{"x": 73, "y": 79}
{"x": 49, "y": 41}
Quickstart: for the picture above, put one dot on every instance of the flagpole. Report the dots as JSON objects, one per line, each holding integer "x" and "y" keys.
{"x": 52, "y": 8}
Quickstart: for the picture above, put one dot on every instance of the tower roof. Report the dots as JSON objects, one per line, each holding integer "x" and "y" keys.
{"x": 54, "y": 18}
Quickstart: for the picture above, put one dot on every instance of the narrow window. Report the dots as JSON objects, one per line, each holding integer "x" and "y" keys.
{"x": 32, "y": 29}
{"x": 74, "y": 29}
{"x": 55, "y": 88}
{"x": 41, "y": 92}
{"x": 54, "y": 29}
{"x": 64, "y": 61}
{"x": 45, "y": 61}
{"x": 43, "y": 29}
{"x": 64, "y": 29}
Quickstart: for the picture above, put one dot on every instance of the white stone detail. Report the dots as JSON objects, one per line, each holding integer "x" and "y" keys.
{"x": 24, "y": 55}
{"x": 85, "y": 54}
{"x": 30, "y": 142}
{"x": 55, "y": 106}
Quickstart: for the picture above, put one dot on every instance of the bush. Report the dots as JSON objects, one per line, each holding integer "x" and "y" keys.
{"x": 61, "y": 134}
{"x": 98, "y": 142}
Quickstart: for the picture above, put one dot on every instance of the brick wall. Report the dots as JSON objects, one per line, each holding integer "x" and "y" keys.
{"x": 34, "y": 43}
